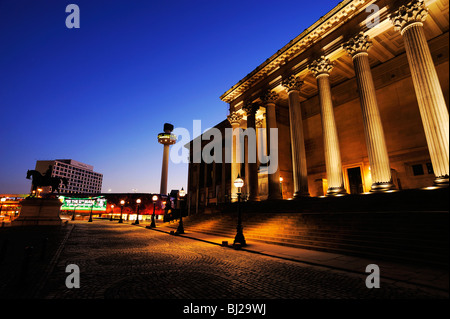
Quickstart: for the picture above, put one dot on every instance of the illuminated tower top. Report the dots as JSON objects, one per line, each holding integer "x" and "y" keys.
{"x": 167, "y": 138}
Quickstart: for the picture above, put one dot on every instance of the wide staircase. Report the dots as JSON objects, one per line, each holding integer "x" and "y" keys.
{"x": 418, "y": 237}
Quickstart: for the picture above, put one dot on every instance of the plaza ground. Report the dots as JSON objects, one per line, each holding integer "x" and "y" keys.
{"x": 132, "y": 262}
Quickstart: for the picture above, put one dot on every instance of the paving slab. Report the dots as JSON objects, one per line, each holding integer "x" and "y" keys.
{"x": 437, "y": 278}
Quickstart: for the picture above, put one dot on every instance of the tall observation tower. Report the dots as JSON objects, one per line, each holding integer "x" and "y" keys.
{"x": 166, "y": 139}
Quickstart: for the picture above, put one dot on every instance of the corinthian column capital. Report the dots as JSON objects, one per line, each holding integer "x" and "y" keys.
{"x": 358, "y": 44}
{"x": 259, "y": 123}
{"x": 411, "y": 13}
{"x": 269, "y": 97}
{"x": 320, "y": 66}
{"x": 250, "y": 108}
{"x": 292, "y": 83}
{"x": 234, "y": 118}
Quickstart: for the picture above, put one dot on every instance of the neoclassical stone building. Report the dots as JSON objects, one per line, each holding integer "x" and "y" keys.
{"x": 360, "y": 100}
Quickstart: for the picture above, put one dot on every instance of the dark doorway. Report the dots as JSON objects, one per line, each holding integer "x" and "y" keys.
{"x": 355, "y": 180}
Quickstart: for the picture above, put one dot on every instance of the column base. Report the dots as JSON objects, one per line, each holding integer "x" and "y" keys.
{"x": 254, "y": 199}
{"x": 336, "y": 191}
{"x": 441, "y": 181}
{"x": 382, "y": 187}
{"x": 298, "y": 195}
{"x": 274, "y": 196}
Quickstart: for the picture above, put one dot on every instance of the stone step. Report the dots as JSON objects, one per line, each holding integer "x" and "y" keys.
{"x": 378, "y": 241}
{"x": 413, "y": 237}
{"x": 438, "y": 257}
{"x": 287, "y": 231}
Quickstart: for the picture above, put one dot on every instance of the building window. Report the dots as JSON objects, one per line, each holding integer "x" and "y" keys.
{"x": 417, "y": 169}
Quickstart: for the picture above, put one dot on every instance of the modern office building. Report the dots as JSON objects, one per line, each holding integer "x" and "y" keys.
{"x": 81, "y": 177}
{"x": 359, "y": 101}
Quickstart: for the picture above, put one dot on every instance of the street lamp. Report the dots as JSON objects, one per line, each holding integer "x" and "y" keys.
{"x": 122, "y": 202}
{"x": 138, "y": 202}
{"x": 154, "y": 199}
{"x": 90, "y": 215}
{"x": 112, "y": 212}
{"x": 180, "y": 229}
{"x": 281, "y": 186}
{"x": 238, "y": 183}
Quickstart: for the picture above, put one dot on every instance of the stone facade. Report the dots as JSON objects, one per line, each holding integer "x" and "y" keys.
{"x": 359, "y": 107}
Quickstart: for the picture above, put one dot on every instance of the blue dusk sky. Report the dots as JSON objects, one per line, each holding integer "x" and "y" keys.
{"x": 100, "y": 94}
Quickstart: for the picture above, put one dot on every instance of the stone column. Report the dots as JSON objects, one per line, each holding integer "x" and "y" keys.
{"x": 433, "y": 111}
{"x": 373, "y": 130}
{"x": 299, "y": 169}
{"x": 250, "y": 109}
{"x": 235, "y": 121}
{"x": 321, "y": 69}
{"x": 223, "y": 182}
{"x": 269, "y": 98}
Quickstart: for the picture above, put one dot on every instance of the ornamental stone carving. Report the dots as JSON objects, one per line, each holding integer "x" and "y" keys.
{"x": 292, "y": 83}
{"x": 269, "y": 97}
{"x": 250, "y": 108}
{"x": 415, "y": 11}
{"x": 358, "y": 44}
{"x": 320, "y": 66}
{"x": 259, "y": 123}
{"x": 234, "y": 118}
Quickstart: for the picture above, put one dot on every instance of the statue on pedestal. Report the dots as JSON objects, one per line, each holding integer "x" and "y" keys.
{"x": 39, "y": 180}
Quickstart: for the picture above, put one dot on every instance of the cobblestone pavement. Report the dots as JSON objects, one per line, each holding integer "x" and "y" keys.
{"x": 126, "y": 261}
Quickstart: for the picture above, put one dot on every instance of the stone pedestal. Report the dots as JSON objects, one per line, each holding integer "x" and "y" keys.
{"x": 39, "y": 212}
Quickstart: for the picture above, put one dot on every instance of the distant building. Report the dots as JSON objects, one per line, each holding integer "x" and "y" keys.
{"x": 81, "y": 177}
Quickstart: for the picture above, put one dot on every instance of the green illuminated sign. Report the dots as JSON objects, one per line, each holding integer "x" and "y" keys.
{"x": 86, "y": 204}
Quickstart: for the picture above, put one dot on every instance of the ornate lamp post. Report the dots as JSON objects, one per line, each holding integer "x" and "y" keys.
{"x": 138, "y": 202}
{"x": 122, "y": 202}
{"x": 281, "y": 187}
{"x": 238, "y": 183}
{"x": 112, "y": 211}
{"x": 154, "y": 199}
{"x": 90, "y": 214}
{"x": 180, "y": 229}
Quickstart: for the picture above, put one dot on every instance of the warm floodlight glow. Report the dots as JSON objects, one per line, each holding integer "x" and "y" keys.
{"x": 138, "y": 200}
{"x": 122, "y": 202}
{"x": 155, "y": 198}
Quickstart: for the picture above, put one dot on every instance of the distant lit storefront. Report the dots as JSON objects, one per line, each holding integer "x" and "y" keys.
{"x": 111, "y": 206}
{"x": 10, "y": 206}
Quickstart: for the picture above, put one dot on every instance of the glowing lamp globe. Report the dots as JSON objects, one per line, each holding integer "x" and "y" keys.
{"x": 238, "y": 182}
